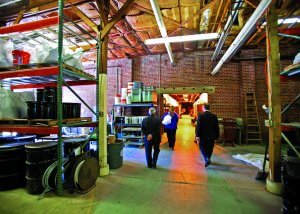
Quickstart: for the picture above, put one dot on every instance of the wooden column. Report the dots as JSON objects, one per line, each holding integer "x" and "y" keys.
{"x": 105, "y": 27}
{"x": 273, "y": 184}
{"x": 102, "y": 98}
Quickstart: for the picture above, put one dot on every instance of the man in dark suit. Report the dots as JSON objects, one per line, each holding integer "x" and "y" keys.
{"x": 151, "y": 127}
{"x": 207, "y": 131}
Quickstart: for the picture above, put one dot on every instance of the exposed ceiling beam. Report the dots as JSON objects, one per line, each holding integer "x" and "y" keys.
{"x": 115, "y": 10}
{"x": 100, "y": 6}
{"x": 117, "y": 17}
{"x": 171, "y": 21}
{"x": 209, "y": 5}
{"x": 84, "y": 18}
{"x": 162, "y": 27}
{"x": 19, "y": 17}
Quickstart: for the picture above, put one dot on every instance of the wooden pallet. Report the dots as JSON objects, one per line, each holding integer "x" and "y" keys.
{"x": 52, "y": 122}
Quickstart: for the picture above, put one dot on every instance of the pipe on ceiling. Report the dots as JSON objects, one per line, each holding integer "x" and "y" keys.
{"x": 227, "y": 28}
{"x": 244, "y": 34}
{"x": 162, "y": 27}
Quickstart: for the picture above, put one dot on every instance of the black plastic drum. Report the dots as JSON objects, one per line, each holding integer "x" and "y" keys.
{"x": 39, "y": 157}
{"x": 33, "y": 110}
{"x": 12, "y": 165}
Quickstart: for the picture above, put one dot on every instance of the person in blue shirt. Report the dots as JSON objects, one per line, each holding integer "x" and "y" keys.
{"x": 171, "y": 127}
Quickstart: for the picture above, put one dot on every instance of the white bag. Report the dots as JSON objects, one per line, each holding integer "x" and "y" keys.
{"x": 167, "y": 120}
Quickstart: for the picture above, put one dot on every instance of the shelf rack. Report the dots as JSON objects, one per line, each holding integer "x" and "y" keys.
{"x": 137, "y": 138}
{"x": 58, "y": 75}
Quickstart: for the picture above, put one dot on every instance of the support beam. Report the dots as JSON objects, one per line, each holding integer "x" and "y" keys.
{"x": 117, "y": 17}
{"x": 101, "y": 98}
{"x": 19, "y": 17}
{"x": 209, "y": 5}
{"x": 84, "y": 18}
{"x": 101, "y": 9}
{"x": 274, "y": 102}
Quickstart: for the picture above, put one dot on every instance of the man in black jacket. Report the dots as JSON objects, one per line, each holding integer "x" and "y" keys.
{"x": 151, "y": 127}
{"x": 207, "y": 131}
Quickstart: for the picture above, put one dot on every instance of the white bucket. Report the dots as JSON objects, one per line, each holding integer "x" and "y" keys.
{"x": 117, "y": 99}
{"x": 124, "y": 92}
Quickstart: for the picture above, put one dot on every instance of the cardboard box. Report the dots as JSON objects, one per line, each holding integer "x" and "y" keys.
{"x": 111, "y": 139}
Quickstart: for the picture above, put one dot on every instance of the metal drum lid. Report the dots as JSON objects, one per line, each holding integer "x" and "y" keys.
{"x": 10, "y": 146}
{"x": 42, "y": 145}
{"x": 86, "y": 172}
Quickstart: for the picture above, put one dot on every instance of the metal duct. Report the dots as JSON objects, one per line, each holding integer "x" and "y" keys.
{"x": 227, "y": 28}
{"x": 244, "y": 34}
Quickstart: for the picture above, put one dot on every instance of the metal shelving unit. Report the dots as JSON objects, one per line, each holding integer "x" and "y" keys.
{"x": 131, "y": 133}
{"x": 58, "y": 75}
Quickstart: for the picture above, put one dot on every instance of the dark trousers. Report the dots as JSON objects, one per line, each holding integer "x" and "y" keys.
{"x": 171, "y": 133}
{"x": 206, "y": 148}
{"x": 148, "y": 150}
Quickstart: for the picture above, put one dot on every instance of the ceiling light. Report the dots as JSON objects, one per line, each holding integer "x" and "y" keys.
{"x": 286, "y": 21}
{"x": 195, "y": 37}
{"x": 9, "y": 2}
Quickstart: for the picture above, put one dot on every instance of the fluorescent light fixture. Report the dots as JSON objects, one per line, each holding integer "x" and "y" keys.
{"x": 188, "y": 38}
{"x": 286, "y": 21}
{"x": 9, "y": 2}
{"x": 294, "y": 73}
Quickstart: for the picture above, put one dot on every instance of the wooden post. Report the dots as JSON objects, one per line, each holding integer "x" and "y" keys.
{"x": 273, "y": 184}
{"x": 102, "y": 98}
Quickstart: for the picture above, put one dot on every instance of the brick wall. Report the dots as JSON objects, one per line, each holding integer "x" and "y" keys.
{"x": 193, "y": 69}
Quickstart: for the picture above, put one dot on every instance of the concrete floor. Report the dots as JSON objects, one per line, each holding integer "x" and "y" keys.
{"x": 180, "y": 184}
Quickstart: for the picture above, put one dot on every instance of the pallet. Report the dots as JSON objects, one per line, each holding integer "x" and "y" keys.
{"x": 43, "y": 122}
{"x": 52, "y": 122}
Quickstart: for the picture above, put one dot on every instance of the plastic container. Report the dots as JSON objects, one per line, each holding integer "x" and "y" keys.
{"x": 20, "y": 57}
{"x": 117, "y": 99}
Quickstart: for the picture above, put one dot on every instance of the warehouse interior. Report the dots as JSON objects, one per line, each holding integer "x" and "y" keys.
{"x": 77, "y": 78}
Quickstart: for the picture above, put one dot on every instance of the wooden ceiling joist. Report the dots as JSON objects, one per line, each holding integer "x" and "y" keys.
{"x": 101, "y": 9}
{"x": 117, "y": 17}
{"x": 84, "y": 18}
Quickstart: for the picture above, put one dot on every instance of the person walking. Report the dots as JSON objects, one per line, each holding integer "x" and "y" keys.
{"x": 207, "y": 131}
{"x": 151, "y": 127}
{"x": 171, "y": 126}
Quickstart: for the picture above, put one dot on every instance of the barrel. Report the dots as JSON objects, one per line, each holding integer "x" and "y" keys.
{"x": 39, "y": 157}
{"x": 115, "y": 155}
{"x": 33, "y": 110}
{"x": 12, "y": 165}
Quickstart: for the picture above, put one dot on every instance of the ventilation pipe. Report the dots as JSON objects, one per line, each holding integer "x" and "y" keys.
{"x": 227, "y": 28}
{"x": 243, "y": 35}
{"x": 162, "y": 28}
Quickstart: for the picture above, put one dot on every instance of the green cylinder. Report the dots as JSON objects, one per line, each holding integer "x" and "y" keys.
{"x": 115, "y": 155}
